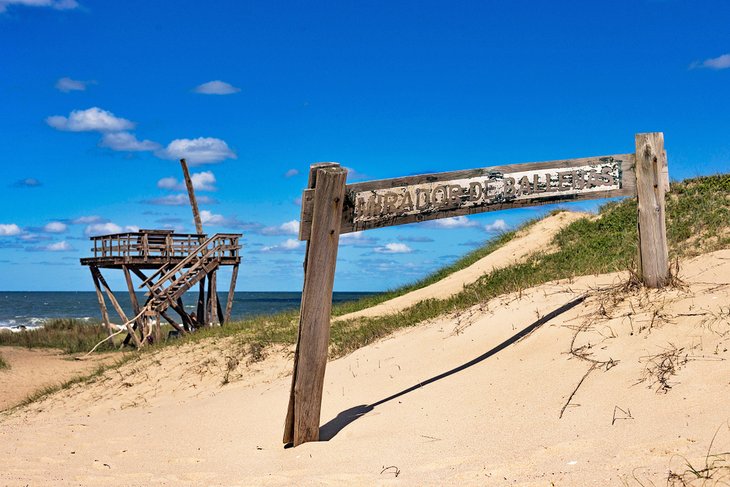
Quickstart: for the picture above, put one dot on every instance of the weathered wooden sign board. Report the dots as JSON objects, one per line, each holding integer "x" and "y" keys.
{"x": 331, "y": 207}
{"x": 397, "y": 201}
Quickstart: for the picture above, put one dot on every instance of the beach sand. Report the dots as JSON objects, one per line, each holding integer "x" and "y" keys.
{"x": 34, "y": 369}
{"x": 462, "y": 400}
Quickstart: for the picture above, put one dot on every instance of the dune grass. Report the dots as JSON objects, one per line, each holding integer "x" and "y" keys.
{"x": 3, "y": 363}
{"x": 462, "y": 263}
{"x": 698, "y": 220}
{"x": 698, "y": 216}
{"x": 69, "y": 335}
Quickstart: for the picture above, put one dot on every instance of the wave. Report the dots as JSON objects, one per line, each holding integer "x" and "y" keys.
{"x": 23, "y": 323}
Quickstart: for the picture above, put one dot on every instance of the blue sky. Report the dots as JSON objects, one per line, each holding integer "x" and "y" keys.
{"x": 98, "y": 99}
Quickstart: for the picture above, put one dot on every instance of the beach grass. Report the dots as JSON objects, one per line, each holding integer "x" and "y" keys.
{"x": 698, "y": 221}
{"x": 698, "y": 216}
{"x": 462, "y": 263}
{"x": 69, "y": 335}
{"x": 3, "y": 363}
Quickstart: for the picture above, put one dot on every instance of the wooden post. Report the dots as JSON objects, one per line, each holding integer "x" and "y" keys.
{"x": 191, "y": 195}
{"x": 201, "y": 303}
{"x": 199, "y": 229}
{"x": 302, "y": 424}
{"x": 102, "y": 304}
{"x": 115, "y": 303}
{"x": 158, "y": 329}
{"x": 212, "y": 309}
{"x": 132, "y": 295}
{"x": 650, "y": 187}
{"x": 231, "y": 292}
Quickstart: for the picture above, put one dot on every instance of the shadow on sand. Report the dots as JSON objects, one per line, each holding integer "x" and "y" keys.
{"x": 348, "y": 416}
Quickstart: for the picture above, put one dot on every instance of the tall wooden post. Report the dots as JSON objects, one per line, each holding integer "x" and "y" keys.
{"x": 302, "y": 422}
{"x": 191, "y": 195}
{"x": 202, "y": 319}
{"x": 102, "y": 304}
{"x": 132, "y": 296}
{"x": 650, "y": 187}
{"x": 231, "y": 293}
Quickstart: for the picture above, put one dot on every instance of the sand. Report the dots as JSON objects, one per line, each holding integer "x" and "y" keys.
{"x": 457, "y": 401}
{"x": 527, "y": 242}
{"x": 34, "y": 369}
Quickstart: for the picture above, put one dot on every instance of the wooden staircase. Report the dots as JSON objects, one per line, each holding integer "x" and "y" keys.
{"x": 173, "y": 283}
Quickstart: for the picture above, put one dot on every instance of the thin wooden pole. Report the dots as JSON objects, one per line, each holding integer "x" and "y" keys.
{"x": 231, "y": 294}
{"x": 132, "y": 295}
{"x": 650, "y": 187}
{"x": 172, "y": 322}
{"x": 158, "y": 329}
{"x": 102, "y": 304}
{"x": 191, "y": 195}
{"x": 220, "y": 313}
{"x": 202, "y": 318}
{"x": 201, "y": 303}
{"x": 183, "y": 315}
{"x": 116, "y": 305}
{"x": 213, "y": 296}
{"x": 208, "y": 309}
{"x": 314, "y": 324}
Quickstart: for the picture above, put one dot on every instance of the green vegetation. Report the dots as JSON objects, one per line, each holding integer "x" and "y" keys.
{"x": 462, "y": 263}
{"x": 69, "y": 335}
{"x": 3, "y": 363}
{"x": 698, "y": 212}
{"x": 697, "y": 209}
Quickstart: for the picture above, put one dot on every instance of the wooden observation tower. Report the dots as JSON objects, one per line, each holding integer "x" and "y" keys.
{"x": 178, "y": 262}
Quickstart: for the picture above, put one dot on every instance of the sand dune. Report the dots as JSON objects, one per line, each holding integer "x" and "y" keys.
{"x": 536, "y": 238}
{"x": 472, "y": 399}
{"x": 35, "y": 369}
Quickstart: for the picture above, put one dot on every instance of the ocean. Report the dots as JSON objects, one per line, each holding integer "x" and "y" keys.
{"x": 33, "y": 309}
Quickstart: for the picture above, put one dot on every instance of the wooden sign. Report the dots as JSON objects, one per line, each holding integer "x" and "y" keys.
{"x": 398, "y": 201}
{"x": 330, "y": 207}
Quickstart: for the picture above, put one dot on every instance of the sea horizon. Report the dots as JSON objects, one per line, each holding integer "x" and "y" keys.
{"x": 32, "y": 309}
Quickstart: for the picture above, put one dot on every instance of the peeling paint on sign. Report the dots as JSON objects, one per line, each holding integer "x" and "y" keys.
{"x": 489, "y": 189}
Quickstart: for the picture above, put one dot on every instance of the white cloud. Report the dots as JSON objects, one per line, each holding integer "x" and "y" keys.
{"x": 125, "y": 141}
{"x": 208, "y": 218}
{"x": 91, "y": 120}
{"x": 291, "y": 173}
{"x": 55, "y": 227}
{"x": 66, "y": 85}
{"x": 357, "y": 239}
{"x": 180, "y": 199}
{"x": 216, "y": 87}
{"x": 394, "y": 248}
{"x": 170, "y": 183}
{"x": 720, "y": 62}
{"x": 9, "y": 229}
{"x": 287, "y": 228}
{"x": 288, "y": 245}
{"x": 102, "y": 229}
{"x": 85, "y": 220}
{"x": 202, "y": 181}
{"x": 108, "y": 228}
{"x": 453, "y": 222}
{"x": 203, "y": 150}
{"x": 55, "y": 4}
{"x": 27, "y": 183}
{"x": 496, "y": 226}
{"x": 62, "y": 246}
